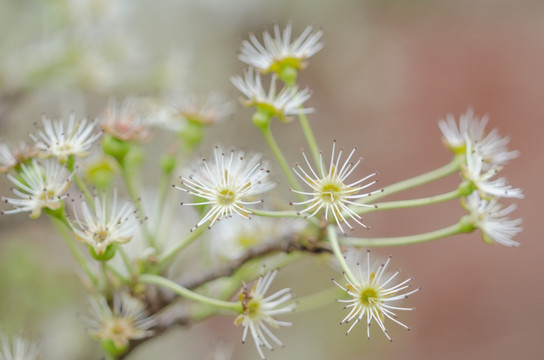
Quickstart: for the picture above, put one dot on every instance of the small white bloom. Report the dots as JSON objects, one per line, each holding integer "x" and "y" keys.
{"x": 61, "y": 140}
{"x": 371, "y": 292}
{"x": 492, "y": 219}
{"x": 492, "y": 147}
{"x": 231, "y": 239}
{"x": 475, "y": 172}
{"x": 11, "y": 156}
{"x": 128, "y": 320}
{"x": 287, "y": 102}
{"x": 329, "y": 190}
{"x": 258, "y": 311}
{"x": 106, "y": 224}
{"x": 209, "y": 110}
{"x": 228, "y": 184}
{"x": 7, "y": 160}
{"x": 278, "y": 52}
{"x": 125, "y": 121}
{"x": 39, "y": 188}
{"x": 17, "y": 349}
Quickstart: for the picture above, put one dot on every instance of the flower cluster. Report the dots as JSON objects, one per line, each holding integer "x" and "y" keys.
{"x": 485, "y": 155}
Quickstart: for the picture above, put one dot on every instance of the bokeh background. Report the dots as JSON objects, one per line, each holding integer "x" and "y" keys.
{"x": 388, "y": 71}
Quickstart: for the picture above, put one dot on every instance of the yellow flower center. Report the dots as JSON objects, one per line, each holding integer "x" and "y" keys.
{"x": 226, "y": 197}
{"x": 252, "y": 308}
{"x": 369, "y": 297}
{"x": 331, "y": 192}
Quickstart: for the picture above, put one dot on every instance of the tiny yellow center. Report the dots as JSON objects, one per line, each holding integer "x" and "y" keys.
{"x": 331, "y": 192}
{"x": 369, "y": 297}
{"x": 100, "y": 235}
{"x": 226, "y": 197}
{"x": 252, "y": 308}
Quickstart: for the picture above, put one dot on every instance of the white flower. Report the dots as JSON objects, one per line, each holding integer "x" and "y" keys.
{"x": 125, "y": 121}
{"x": 371, "y": 291}
{"x": 492, "y": 219}
{"x": 475, "y": 172}
{"x": 106, "y": 224}
{"x": 279, "y": 52}
{"x": 228, "y": 184}
{"x": 39, "y": 188}
{"x": 258, "y": 311}
{"x": 231, "y": 239}
{"x": 128, "y": 320}
{"x": 329, "y": 190}
{"x": 207, "y": 111}
{"x": 17, "y": 349}
{"x": 492, "y": 147}
{"x": 61, "y": 140}
{"x": 287, "y": 102}
{"x": 7, "y": 160}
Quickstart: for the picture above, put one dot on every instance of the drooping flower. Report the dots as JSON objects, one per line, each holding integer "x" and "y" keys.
{"x": 371, "y": 291}
{"x": 17, "y": 349}
{"x": 106, "y": 225}
{"x": 330, "y": 191}
{"x": 287, "y": 102}
{"x": 475, "y": 172}
{"x": 39, "y": 187}
{"x": 258, "y": 311}
{"x": 492, "y": 147}
{"x": 228, "y": 184}
{"x": 279, "y": 52}
{"x": 60, "y": 139}
{"x": 492, "y": 219}
{"x": 126, "y": 320}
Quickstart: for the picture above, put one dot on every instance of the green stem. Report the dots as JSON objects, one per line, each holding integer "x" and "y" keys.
{"x": 267, "y": 133}
{"x": 405, "y": 240}
{"x": 310, "y": 138}
{"x": 317, "y": 300}
{"x": 117, "y": 274}
{"x": 84, "y": 189}
{"x": 166, "y": 258}
{"x": 126, "y": 260}
{"x": 333, "y": 240}
{"x": 186, "y": 293}
{"x": 403, "y": 204}
{"x": 163, "y": 190}
{"x": 433, "y": 175}
{"x": 274, "y": 214}
{"x": 78, "y": 256}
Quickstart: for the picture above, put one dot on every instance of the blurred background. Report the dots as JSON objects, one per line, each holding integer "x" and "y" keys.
{"x": 389, "y": 70}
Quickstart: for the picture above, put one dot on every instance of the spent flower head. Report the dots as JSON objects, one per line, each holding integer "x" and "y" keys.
{"x": 228, "y": 184}
{"x": 471, "y": 129}
{"x": 371, "y": 291}
{"x": 17, "y": 348}
{"x": 62, "y": 139}
{"x": 258, "y": 311}
{"x": 278, "y": 52}
{"x": 475, "y": 171}
{"x": 39, "y": 187}
{"x": 126, "y": 320}
{"x": 287, "y": 102}
{"x": 492, "y": 219}
{"x": 107, "y": 224}
{"x": 330, "y": 190}
{"x": 209, "y": 110}
{"x": 125, "y": 121}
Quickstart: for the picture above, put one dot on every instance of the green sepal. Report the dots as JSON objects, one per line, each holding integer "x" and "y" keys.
{"x": 115, "y": 147}
{"x": 261, "y": 118}
{"x": 191, "y": 135}
{"x": 106, "y": 255}
{"x": 112, "y": 349}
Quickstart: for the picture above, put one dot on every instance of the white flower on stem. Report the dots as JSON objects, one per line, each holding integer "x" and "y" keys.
{"x": 125, "y": 121}
{"x": 11, "y": 156}
{"x": 18, "y": 349}
{"x": 7, "y": 159}
{"x": 107, "y": 224}
{"x": 61, "y": 139}
{"x": 330, "y": 191}
{"x": 206, "y": 111}
{"x": 475, "y": 172}
{"x": 279, "y": 52}
{"x": 492, "y": 219}
{"x": 492, "y": 147}
{"x": 39, "y": 187}
{"x": 127, "y": 320}
{"x": 258, "y": 311}
{"x": 228, "y": 184}
{"x": 371, "y": 292}
{"x": 287, "y": 102}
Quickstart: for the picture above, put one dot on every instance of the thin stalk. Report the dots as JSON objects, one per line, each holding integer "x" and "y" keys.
{"x": 405, "y": 240}
{"x": 159, "y": 208}
{"x": 274, "y": 214}
{"x": 78, "y": 256}
{"x": 186, "y": 293}
{"x": 403, "y": 204}
{"x": 126, "y": 260}
{"x": 166, "y": 258}
{"x": 317, "y": 300}
{"x": 433, "y": 175}
{"x": 267, "y": 133}
{"x": 333, "y": 240}
{"x": 84, "y": 189}
{"x": 310, "y": 138}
